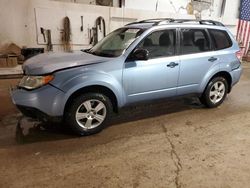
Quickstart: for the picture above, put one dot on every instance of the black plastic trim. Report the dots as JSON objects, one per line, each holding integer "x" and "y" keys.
{"x": 37, "y": 114}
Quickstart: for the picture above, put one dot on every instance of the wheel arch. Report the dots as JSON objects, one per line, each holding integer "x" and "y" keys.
{"x": 223, "y": 74}
{"x": 93, "y": 89}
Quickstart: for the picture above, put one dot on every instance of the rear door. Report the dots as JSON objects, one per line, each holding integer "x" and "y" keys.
{"x": 196, "y": 58}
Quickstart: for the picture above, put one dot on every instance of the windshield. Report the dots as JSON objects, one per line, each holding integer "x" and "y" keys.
{"x": 116, "y": 42}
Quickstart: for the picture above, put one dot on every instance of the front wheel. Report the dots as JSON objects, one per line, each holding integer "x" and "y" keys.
{"x": 88, "y": 113}
{"x": 215, "y": 92}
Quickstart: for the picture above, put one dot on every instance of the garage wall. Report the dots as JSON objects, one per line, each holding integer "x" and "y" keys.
{"x": 163, "y": 5}
{"x": 180, "y": 6}
{"x": 93, "y": 2}
{"x": 14, "y": 19}
{"x": 21, "y": 25}
{"x": 21, "y": 20}
{"x": 229, "y": 18}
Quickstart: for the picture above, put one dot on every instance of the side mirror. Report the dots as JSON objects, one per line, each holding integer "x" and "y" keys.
{"x": 140, "y": 54}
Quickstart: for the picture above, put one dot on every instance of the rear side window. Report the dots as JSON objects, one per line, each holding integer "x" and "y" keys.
{"x": 194, "y": 41}
{"x": 220, "y": 39}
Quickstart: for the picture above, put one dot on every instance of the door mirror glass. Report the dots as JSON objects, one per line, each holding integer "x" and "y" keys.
{"x": 140, "y": 54}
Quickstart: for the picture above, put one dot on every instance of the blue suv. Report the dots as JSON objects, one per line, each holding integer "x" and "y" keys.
{"x": 146, "y": 60}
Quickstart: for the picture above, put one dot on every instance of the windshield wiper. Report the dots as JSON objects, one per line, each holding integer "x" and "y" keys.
{"x": 86, "y": 50}
{"x": 98, "y": 54}
{"x": 89, "y": 52}
{"x": 106, "y": 55}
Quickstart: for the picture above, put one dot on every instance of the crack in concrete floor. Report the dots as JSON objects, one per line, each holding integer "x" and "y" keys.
{"x": 175, "y": 158}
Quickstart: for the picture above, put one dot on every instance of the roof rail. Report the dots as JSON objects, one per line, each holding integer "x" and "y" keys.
{"x": 205, "y": 22}
{"x": 212, "y": 22}
{"x": 159, "y": 21}
{"x": 155, "y": 21}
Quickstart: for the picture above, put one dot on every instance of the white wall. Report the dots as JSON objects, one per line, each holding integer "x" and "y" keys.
{"x": 163, "y": 5}
{"x": 20, "y": 25}
{"x": 14, "y": 20}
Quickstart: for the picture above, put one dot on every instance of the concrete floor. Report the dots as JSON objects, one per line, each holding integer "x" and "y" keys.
{"x": 168, "y": 144}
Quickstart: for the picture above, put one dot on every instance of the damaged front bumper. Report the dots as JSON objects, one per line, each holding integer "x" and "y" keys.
{"x": 42, "y": 103}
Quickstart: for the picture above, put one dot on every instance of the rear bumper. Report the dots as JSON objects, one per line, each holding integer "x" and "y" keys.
{"x": 44, "y": 103}
{"x": 236, "y": 74}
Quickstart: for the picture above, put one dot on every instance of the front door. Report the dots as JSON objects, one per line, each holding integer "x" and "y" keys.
{"x": 156, "y": 77}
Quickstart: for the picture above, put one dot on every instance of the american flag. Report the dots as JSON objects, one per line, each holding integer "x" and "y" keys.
{"x": 243, "y": 31}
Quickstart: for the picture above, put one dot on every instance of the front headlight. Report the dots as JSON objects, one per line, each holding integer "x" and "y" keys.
{"x": 33, "y": 82}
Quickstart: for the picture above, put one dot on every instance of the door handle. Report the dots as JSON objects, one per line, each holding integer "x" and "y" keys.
{"x": 212, "y": 59}
{"x": 172, "y": 64}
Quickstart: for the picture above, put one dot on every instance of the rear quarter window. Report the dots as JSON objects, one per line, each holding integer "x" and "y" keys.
{"x": 221, "y": 39}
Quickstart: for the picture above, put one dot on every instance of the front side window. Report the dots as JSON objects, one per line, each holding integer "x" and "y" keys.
{"x": 194, "y": 41}
{"x": 220, "y": 39}
{"x": 160, "y": 43}
{"x": 116, "y": 42}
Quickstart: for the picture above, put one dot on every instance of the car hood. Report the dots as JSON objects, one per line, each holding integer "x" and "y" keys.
{"x": 51, "y": 62}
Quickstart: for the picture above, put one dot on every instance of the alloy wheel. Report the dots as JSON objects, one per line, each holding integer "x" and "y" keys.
{"x": 90, "y": 114}
{"x": 217, "y": 92}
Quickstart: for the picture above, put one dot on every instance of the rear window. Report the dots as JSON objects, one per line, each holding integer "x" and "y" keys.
{"x": 220, "y": 39}
{"x": 194, "y": 41}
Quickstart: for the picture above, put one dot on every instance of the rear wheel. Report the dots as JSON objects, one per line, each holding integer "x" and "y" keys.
{"x": 215, "y": 93}
{"x": 88, "y": 113}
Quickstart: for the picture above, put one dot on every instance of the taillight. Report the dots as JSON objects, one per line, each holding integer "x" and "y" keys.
{"x": 239, "y": 55}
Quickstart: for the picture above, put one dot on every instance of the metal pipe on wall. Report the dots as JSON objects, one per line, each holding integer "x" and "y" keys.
{"x": 223, "y": 5}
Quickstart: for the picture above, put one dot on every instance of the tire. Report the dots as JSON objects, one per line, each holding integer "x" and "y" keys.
{"x": 88, "y": 113}
{"x": 215, "y": 92}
